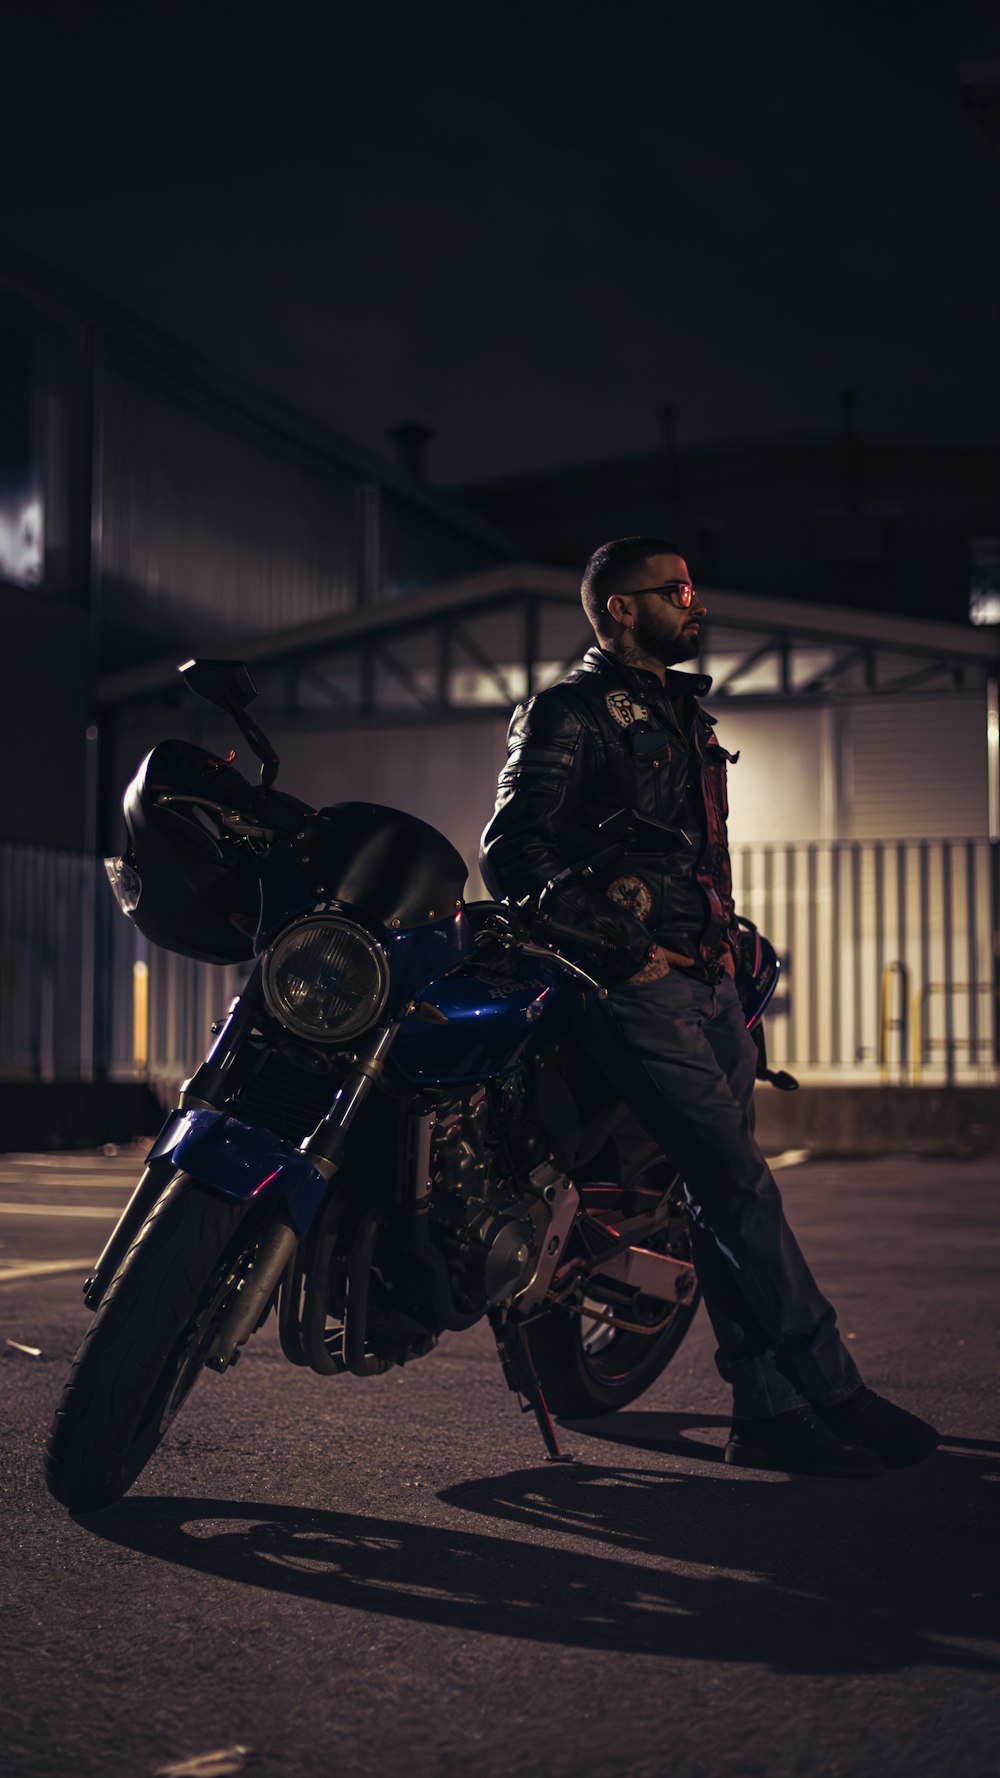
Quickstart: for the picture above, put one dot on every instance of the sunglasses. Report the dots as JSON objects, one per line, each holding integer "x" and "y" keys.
{"x": 679, "y": 592}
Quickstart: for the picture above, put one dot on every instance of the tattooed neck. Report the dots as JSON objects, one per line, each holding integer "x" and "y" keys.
{"x": 629, "y": 654}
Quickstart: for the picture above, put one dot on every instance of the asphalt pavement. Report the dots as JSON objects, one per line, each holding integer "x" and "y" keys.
{"x": 354, "y": 1577}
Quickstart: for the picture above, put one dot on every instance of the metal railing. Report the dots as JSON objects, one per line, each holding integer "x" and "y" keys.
{"x": 889, "y": 950}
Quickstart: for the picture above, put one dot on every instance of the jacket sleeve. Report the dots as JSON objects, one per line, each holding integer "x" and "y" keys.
{"x": 551, "y": 762}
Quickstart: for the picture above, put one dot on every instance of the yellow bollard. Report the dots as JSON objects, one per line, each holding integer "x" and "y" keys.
{"x": 917, "y": 1033}
{"x": 140, "y": 1015}
{"x": 885, "y": 1022}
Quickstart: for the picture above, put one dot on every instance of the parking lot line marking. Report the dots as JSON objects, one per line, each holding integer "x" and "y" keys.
{"x": 79, "y": 1162}
{"x": 64, "y": 1185}
{"x": 57, "y": 1210}
{"x": 38, "y": 1268}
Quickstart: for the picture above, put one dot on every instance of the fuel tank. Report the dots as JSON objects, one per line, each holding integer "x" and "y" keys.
{"x": 496, "y": 1014}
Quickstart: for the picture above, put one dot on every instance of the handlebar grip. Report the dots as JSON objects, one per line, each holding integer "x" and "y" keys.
{"x": 545, "y": 927}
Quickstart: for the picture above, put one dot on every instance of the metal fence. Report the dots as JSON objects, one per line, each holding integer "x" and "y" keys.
{"x": 82, "y": 993}
{"x": 889, "y": 954}
{"x": 49, "y": 909}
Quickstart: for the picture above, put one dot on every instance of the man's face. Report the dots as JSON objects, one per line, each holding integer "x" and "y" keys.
{"x": 660, "y": 628}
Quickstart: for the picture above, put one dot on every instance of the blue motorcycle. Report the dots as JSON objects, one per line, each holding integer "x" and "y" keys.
{"x": 391, "y": 1135}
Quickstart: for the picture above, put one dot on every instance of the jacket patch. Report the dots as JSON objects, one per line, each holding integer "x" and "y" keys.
{"x": 632, "y": 894}
{"x": 624, "y": 711}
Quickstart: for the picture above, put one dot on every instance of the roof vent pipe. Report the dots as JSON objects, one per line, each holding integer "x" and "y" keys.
{"x": 411, "y": 440}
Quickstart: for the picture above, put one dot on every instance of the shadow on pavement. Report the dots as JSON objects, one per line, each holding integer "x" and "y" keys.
{"x": 673, "y": 1433}
{"x": 805, "y": 1577}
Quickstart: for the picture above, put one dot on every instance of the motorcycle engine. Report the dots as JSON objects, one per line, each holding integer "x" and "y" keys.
{"x": 489, "y": 1215}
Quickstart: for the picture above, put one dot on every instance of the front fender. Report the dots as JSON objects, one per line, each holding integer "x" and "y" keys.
{"x": 241, "y": 1161}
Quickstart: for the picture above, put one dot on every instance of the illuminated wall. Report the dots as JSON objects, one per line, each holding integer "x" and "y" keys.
{"x": 879, "y": 768}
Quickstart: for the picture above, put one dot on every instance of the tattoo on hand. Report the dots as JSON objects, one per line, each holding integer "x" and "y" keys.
{"x": 659, "y": 965}
{"x": 653, "y": 971}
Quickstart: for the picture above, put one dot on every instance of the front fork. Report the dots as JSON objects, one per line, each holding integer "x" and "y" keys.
{"x": 280, "y": 1240}
{"x": 206, "y": 1091}
{"x": 201, "y": 1093}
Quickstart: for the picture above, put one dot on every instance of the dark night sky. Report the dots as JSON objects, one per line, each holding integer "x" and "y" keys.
{"x": 529, "y": 225}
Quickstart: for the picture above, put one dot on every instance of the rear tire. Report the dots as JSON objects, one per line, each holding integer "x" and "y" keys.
{"x": 586, "y": 1370}
{"x": 145, "y": 1348}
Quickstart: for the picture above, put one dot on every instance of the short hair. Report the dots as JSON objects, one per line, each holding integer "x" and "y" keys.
{"x": 609, "y": 571}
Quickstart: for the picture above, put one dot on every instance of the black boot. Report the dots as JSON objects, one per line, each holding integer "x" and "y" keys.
{"x": 800, "y": 1444}
{"x": 868, "y": 1419}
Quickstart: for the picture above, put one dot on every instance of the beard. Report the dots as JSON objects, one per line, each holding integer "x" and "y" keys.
{"x": 669, "y": 650}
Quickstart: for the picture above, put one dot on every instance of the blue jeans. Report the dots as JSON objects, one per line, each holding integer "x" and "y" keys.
{"x": 678, "y": 1052}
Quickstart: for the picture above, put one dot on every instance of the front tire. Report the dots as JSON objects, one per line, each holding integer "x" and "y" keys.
{"x": 145, "y": 1348}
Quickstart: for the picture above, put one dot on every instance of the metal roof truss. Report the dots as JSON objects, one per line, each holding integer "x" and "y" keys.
{"x": 472, "y": 662}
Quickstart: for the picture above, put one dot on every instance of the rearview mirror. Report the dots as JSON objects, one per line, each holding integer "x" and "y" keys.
{"x": 228, "y": 684}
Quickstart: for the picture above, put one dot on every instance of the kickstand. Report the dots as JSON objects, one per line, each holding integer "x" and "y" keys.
{"x": 521, "y": 1377}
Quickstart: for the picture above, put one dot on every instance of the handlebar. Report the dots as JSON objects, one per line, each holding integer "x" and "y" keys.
{"x": 544, "y": 927}
{"x": 523, "y": 925}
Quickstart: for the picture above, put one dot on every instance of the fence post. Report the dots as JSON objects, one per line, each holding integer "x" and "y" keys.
{"x": 949, "y": 972}
{"x": 995, "y": 939}
{"x": 87, "y": 915}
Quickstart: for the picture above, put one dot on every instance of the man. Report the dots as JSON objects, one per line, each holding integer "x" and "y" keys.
{"x": 624, "y": 730}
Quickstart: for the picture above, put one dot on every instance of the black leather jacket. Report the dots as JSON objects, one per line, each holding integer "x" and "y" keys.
{"x": 609, "y": 737}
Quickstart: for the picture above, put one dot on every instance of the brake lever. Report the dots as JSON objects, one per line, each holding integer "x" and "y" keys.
{"x": 530, "y": 949}
{"x": 515, "y": 932}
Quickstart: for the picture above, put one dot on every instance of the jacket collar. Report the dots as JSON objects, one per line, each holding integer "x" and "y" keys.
{"x": 677, "y": 685}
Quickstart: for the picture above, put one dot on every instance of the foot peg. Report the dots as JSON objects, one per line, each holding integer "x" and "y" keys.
{"x": 785, "y": 1083}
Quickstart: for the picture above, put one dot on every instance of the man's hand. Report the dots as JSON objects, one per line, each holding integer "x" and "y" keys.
{"x": 660, "y": 964}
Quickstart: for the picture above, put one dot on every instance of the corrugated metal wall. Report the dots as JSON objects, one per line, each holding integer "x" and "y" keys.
{"x": 912, "y": 767}
{"x": 48, "y": 902}
{"x": 217, "y": 529}
{"x": 884, "y": 768}
{"x": 214, "y": 529}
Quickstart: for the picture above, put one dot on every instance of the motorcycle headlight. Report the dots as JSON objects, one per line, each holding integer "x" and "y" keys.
{"x": 326, "y": 979}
